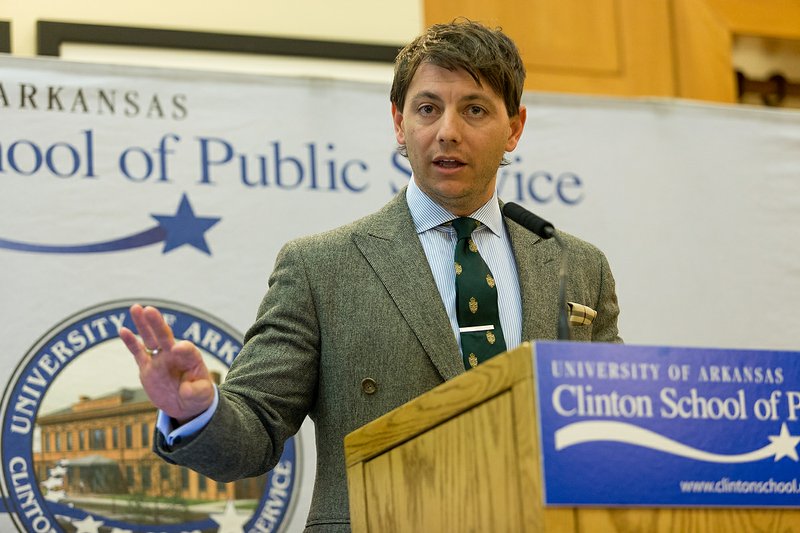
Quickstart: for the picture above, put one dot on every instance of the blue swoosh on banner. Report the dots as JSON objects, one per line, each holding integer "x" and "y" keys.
{"x": 184, "y": 227}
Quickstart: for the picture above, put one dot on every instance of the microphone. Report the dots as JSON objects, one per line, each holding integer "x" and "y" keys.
{"x": 545, "y": 230}
{"x": 528, "y": 220}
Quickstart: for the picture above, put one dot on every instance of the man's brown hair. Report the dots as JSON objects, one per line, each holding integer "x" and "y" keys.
{"x": 488, "y": 55}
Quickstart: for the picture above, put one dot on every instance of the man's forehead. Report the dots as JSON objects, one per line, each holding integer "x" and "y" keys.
{"x": 431, "y": 79}
{"x": 429, "y": 68}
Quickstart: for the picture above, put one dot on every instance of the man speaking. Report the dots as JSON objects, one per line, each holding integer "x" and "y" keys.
{"x": 363, "y": 318}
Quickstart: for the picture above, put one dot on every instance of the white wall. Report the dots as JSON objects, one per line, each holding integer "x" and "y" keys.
{"x": 363, "y": 21}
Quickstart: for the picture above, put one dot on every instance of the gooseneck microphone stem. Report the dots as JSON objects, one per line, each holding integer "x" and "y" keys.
{"x": 545, "y": 230}
{"x": 562, "y": 329}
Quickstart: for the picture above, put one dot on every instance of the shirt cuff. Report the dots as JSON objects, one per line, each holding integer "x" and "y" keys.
{"x": 175, "y": 435}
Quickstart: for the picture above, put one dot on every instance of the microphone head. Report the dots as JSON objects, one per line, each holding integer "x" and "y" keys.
{"x": 525, "y": 218}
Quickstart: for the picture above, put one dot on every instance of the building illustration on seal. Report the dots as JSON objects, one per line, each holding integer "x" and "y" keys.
{"x": 97, "y": 453}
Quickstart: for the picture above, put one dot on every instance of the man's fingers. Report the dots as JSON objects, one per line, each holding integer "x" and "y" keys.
{"x": 134, "y": 346}
{"x": 154, "y": 332}
{"x": 199, "y": 393}
{"x": 196, "y": 397}
{"x": 161, "y": 332}
{"x": 143, "y": 327}
{"x": 189, "y": 359}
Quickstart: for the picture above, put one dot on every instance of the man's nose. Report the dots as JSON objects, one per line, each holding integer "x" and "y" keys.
{"x": 450, "y": 127}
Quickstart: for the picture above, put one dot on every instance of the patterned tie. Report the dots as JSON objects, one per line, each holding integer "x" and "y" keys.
{"x": 476, "y": 299}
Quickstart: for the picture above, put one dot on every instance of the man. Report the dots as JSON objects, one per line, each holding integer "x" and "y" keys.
{"x": 361, "y": 319}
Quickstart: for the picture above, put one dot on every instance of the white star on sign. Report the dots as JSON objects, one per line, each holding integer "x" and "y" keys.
{"x": 55, "y": 496}
{"x": 229, "y": 520}
{"x": 87, "y": 525}
{"x": 785, "y": 445}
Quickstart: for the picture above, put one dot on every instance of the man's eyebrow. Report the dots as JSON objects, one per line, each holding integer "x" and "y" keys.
{"x": 475, "y": 97}
{"x": 430, "y": 95}
{"x": 426, "y": 95}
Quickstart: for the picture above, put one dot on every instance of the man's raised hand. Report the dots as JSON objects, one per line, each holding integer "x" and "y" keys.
{"x": 173, "y": 374}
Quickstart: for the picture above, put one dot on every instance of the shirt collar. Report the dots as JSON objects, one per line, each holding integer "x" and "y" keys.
{"x": 428, "y": 215}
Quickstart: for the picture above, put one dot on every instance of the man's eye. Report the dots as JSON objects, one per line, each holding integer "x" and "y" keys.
{"x": 426, "y": 109}
{"x": 475, "y": 111}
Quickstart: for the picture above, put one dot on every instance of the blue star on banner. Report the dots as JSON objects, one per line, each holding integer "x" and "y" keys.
{"x": 184, "y": 227}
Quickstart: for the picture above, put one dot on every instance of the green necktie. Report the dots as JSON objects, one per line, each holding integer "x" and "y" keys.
{"x": 476, "y": 299}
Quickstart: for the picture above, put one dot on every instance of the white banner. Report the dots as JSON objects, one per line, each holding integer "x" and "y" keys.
{"x": 127, "y": 184}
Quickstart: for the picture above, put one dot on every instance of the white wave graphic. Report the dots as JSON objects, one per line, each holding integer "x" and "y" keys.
{"x": 783, "y": 445}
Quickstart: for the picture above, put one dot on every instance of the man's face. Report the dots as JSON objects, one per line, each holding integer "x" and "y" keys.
{"x": 456, "y": 133}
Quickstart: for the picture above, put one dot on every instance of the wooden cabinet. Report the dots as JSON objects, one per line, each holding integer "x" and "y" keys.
{"x": 629, "y": 47}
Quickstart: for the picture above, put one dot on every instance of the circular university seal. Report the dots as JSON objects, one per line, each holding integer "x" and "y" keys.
{"x": 77, "y": 438}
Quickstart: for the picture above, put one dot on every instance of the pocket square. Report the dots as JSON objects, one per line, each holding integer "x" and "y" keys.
{"x": 580, "y": 315}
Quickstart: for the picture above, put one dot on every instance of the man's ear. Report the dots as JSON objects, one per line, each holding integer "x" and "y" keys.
{"x": 517, "y": 124}
{"x": 397, "y": 118}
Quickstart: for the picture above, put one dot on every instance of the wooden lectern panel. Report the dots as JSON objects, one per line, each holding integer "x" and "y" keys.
{"x": 463, "y": 457}
{"x": 476, "y": 456}
{"x": 688, "y": 520}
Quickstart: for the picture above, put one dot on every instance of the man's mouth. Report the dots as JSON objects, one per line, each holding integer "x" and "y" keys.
{"x": 447, "y": 163}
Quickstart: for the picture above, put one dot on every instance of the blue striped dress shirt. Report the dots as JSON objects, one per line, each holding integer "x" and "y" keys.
{"x": 494, "y": 245}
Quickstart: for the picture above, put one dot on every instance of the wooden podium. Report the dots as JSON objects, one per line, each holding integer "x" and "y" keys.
{"x": 465, "y": 457}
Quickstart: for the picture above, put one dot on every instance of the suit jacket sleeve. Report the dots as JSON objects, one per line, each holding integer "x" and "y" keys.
{"x": 270, "y": 386}
{"x": 591, "y": 283}
{"x": 605, "y": 325}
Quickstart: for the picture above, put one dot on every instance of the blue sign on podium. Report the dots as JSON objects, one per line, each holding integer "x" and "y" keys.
{"x": 639, "y": 425}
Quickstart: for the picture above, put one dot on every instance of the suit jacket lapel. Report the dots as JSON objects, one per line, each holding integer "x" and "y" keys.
{"x": 538, "y": 262}
{"x": 391, "y": 246}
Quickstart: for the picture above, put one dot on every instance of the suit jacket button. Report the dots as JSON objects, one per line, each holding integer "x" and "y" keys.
{"x": 369, "y": 386}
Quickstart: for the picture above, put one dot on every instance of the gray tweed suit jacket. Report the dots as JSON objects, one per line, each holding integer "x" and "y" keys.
{"x": 360, "y": 302}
